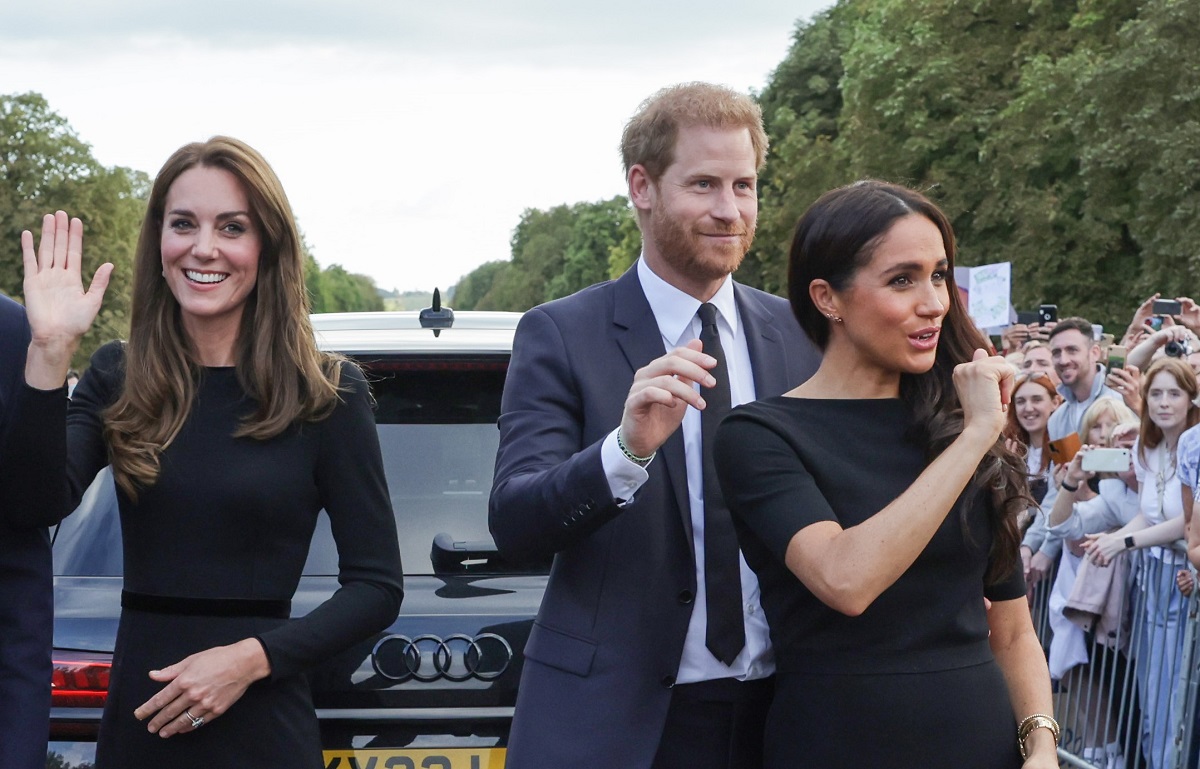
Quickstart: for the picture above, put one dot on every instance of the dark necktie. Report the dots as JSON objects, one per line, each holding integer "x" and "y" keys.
{"x": 726, "y": 634}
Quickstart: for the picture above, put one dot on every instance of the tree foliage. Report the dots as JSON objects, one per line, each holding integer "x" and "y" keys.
{"x": 475, "y": 285}
{"x": 1057, "y": 136}
{"x": 555, "y": 253}
{"x": 333, "y": 289}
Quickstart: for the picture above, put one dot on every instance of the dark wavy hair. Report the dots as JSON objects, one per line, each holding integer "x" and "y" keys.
{"x": 834, "y": 239}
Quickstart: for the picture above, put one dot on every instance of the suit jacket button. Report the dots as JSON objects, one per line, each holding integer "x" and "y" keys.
{"x": 686, "y": 597}
{"x": 668, "y": 681}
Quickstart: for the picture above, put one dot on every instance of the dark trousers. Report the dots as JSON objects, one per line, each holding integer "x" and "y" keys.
{"x": 716, "y": 725}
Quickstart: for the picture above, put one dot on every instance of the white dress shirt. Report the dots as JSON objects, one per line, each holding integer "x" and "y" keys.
{"x": 675, "y": 313}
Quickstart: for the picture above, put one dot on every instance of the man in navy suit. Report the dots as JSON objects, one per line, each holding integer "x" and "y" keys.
{"x": 26, "y": 611}
{"x": 650, "y": 648}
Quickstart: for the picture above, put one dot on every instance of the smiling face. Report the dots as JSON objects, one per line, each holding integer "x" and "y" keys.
{"x": 1033, "y": 407}
{"x": 698, "y": 218}
{"x": 893, "y": 308}
{"x": 210, "y": 250}
{"x": 1167, "y": 402}
{"x": 1075, "y": 357}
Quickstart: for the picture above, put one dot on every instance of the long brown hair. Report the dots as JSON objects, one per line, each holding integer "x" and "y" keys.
{"x": 1012, "y": 426}
{"x": 835, "y": 238}
{"x": 277, "y": 360}
{"x": 1151, "y": 434}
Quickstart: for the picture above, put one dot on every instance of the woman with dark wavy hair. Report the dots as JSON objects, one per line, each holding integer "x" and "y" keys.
{"x": 878, "y": 505}
{"x": 227, "y": 431}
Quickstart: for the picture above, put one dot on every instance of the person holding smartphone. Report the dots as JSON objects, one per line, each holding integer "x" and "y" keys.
{"x": 1072, "y": 518}
{"x": 1116, "y": 502}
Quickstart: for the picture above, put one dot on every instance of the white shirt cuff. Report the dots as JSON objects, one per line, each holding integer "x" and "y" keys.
{"x": 624, "y": 476}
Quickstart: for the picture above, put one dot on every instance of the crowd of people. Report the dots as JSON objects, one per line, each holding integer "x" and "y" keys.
{"x": 1112, "y": 531}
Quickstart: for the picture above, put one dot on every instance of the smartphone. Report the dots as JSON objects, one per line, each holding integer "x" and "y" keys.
{"x": 1167, "y": 307}
{"x": 1155, "y": 322}
{"x": 1064, "y": 449}
{"x": 1107, "y": 460}
{"x": 1027, "y": 317}
{"x": 1116, "y": 357}
{"x": 1048, "y": 313}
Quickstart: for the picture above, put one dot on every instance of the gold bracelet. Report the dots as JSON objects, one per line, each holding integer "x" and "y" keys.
{"x": 640, "y": 461}
{"x": 1036, "y": 721}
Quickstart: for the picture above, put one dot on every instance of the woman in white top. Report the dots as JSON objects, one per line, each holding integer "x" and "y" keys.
{"x": 1168, "y": 390}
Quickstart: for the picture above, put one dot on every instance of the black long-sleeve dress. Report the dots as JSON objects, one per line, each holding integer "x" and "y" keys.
{"x": 911, "y": 682}
{"x": 229, "y": 521}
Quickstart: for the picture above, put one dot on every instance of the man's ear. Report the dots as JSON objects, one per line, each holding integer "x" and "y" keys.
{"x": 642, "y": 190}
{"x": 824, "y": 298}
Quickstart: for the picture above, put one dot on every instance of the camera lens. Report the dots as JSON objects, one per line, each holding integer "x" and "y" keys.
{"x": 1175, "y": 349}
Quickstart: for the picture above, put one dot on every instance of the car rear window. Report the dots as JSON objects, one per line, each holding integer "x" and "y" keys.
{"x": 437, "y": 431}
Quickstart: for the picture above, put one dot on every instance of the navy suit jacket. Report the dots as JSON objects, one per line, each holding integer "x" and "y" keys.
{"x": 26, "y": 607}
{"x": 607, "y": 642}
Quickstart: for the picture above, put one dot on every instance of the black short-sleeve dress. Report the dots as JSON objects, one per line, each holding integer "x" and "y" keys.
{"x": 214, "y": 551}
{"x": 911, "y": 682}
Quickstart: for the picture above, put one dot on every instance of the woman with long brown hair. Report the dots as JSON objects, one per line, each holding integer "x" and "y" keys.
{"x": 227, "y": 431}
{"x": 1034, "y": 400}
{"x": 1169, "y": 391}
{"x": 878, "y": 506}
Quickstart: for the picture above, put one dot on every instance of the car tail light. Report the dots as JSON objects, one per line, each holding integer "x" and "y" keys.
{"x": 80, "y": 680}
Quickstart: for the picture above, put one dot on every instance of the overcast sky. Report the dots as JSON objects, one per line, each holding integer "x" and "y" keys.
{"x": 409, "y": 135}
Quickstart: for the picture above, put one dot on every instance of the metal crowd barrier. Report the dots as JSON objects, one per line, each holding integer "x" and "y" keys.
{"x": 1134, "y": 703}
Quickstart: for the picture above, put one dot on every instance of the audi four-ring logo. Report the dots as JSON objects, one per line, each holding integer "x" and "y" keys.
{"x": 429, "y": 657}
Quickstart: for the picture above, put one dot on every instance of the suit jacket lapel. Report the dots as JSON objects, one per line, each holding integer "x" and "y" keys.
{"x": 768, "y": 358}
{"x": 637, "y": 335}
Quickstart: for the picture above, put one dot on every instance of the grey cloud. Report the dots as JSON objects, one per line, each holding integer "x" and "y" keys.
{"x": 521, "y": 30}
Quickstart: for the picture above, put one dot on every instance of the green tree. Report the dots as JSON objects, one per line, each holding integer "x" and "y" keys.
{"x": 1140, "y": 122}
{"x": 801, "y": 106}
{"x": 555, "y": 252}
{"x": 340, "y": 291}
{"x": 475, "y": 284}
{"x": 45, "y": 166}
{"x": 596, "y": 231}
{"x": 1059, "y": 136}
{"x": 539, "y": 242}
{"x": 333, "y": 289}
{"x": 627, "y": 248}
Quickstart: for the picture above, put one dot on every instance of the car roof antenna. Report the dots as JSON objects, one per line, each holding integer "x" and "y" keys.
{"x": 437, "y": 317}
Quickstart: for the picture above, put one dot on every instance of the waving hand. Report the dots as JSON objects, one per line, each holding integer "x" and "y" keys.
{"x": 60, "y": 311}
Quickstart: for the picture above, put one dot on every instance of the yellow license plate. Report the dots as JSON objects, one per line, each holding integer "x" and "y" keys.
{"x": 446, "y": 758}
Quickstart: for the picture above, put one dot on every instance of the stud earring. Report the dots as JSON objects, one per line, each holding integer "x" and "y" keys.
{"x": 833, "y": 317}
